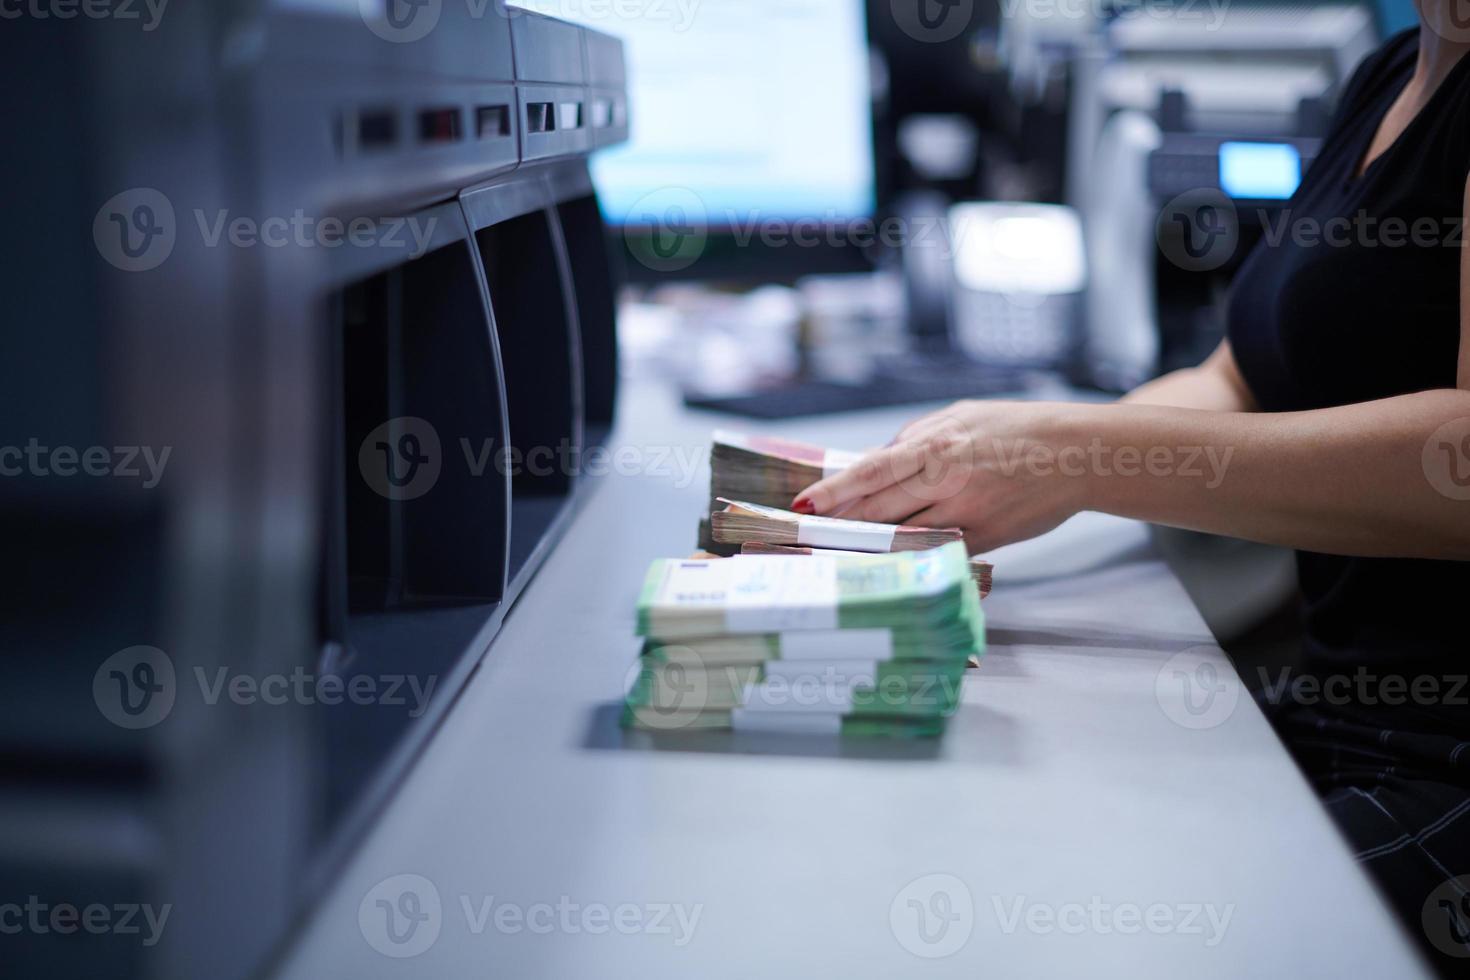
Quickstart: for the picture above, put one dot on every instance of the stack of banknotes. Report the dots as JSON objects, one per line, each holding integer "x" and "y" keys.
{"x": 826, "y": 643}
{"x": 769, "y": 471}
{"x": 982, "y": 571}
{"x": 766, "y": 471}
{"x": 739, "y": 522}
{"x": 754, "y": 478}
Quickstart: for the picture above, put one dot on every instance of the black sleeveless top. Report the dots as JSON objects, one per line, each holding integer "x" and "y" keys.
{"x": 1369, "y": 308}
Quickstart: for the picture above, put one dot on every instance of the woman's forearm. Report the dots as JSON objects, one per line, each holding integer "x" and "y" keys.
{"x": 1359, "y": 479}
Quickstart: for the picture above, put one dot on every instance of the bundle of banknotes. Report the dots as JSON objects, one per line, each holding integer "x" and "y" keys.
{"x": 982, "y": 571}
{"x": 766, "y": 471}
{"x": 849, "y": 644}
{"x": 769, "y": 471}
{"x": 754, "y": 478}
{"x": 739, "y": 522}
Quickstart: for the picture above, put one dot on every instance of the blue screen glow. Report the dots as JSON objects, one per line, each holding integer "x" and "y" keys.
{"x": 741, "y": 110}
{"x": 1260, "y": 171}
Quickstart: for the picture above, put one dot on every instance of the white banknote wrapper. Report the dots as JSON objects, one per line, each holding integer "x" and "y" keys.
{"x": 858, "y": 644}
{"x": 770, "y": 594}
{"x": 831, "y": 532}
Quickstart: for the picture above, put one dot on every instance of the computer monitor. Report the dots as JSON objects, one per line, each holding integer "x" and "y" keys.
{"x": 752, "y": 136}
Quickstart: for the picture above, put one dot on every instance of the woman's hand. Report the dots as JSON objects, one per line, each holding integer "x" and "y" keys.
{"x": 1378, "y": 479}
{"x": 994, "y": 469}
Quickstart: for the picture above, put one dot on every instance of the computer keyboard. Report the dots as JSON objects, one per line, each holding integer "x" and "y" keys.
{"x": 815, "y": 397}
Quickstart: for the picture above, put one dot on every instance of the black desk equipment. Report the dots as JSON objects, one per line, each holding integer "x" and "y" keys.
{"x": 344, "y": 272}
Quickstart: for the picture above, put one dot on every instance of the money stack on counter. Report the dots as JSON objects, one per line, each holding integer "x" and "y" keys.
{"x": 739, "y": 523}
{"x": 765, "y": 471}
{"x": 770, "y": 471}
{"x": 982, "y": 571}
{"x": 872, "y": 645}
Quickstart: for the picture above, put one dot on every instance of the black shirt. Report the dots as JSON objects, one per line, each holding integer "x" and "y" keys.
{"x": 1353, "y": 295}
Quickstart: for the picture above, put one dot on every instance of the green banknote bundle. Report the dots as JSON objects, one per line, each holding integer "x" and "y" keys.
{"x": 772, "y": 594}
{"x": 872, "y": 645}
{"x": 982, "y": 571}
{"x": 889, "y": 688}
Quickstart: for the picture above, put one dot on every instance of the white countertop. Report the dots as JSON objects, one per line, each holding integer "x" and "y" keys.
{"x": 1091, "y": 810}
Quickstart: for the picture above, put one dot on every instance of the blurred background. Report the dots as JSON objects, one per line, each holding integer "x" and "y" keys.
{"x": 866, "y": 200}
{"x": 807, "y": 206}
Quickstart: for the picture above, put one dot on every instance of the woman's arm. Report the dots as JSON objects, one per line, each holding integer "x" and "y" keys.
{"x": 1375, "y": 479}
{"x": 1386, "y": 478}
{"x": 1357, "y": 479}
{"x": 1216, "y": 385}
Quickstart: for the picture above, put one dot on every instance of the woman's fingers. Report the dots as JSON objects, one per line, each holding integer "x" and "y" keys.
{"x": 874, "y": 472}
{"x": 891, "y": 505}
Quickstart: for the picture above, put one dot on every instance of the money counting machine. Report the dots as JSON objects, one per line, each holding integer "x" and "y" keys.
{"x": 1202, "y": 126}
{"x": 337, "y": 271}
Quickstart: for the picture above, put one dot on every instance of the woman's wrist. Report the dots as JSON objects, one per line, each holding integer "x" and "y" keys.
{"x": 1142, "y": 461}
{"x": 1077, "y": 436}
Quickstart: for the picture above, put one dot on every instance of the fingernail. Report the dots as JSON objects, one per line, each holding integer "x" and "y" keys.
{"x": 803, "y": 505}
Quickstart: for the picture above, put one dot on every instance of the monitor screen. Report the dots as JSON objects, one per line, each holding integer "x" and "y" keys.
{"x": 1260, "y": 171}
{"x": 760, "y": 108}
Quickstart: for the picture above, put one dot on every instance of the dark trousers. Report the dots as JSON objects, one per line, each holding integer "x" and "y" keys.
{"x": 1402, "y": 798}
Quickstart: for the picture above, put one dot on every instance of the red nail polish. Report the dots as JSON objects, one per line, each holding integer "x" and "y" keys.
{"x": 803, "y": 506}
